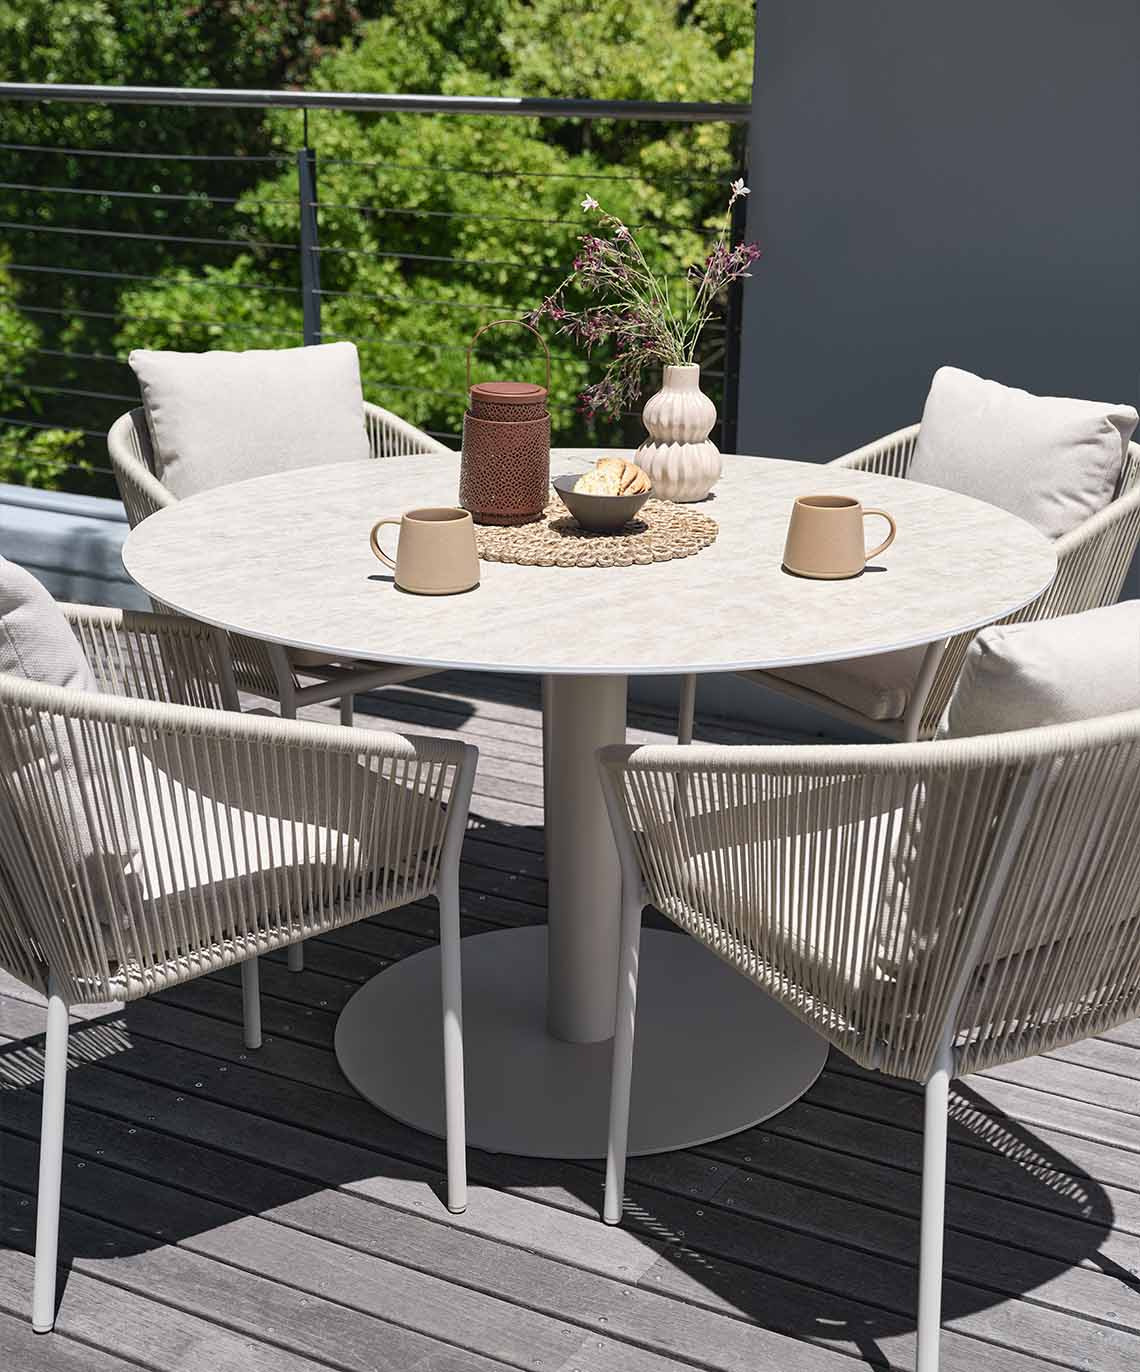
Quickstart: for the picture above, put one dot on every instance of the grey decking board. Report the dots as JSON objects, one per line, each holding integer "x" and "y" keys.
{"x": 232, "y": 1262}
{"x": 970, "y": 1169}
{"x": 1015, "y": 1231}
{"x": 718, "y": 1288}
{"x": 737, "y": 1339}
{"x": 327, "y": 1021}
{"x": 142, "y": 1330}
{"x": 1125, "y": 1033}
{"x": 1103, "y": 1055}
{"x": 848, "y": 1270}
{"x": 1105, "y": 1089}
{"x": 1066, "y": 1215}
{"x": 862, "y": 1096}
{"x": 140, "y": 1007}
{"x": 21, "y": 1350}
{"x": 1041, "y": 1223}
{"x": 787, "y": 1170}
{"x": 1032, "y": 1105}
{"x": 550, "y": 1290}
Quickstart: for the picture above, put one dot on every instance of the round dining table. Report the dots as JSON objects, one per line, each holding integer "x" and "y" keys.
{"x": 286, "y": 558}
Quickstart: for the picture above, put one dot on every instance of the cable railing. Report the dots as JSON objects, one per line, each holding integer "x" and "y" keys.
{"x": 117, "y": 243}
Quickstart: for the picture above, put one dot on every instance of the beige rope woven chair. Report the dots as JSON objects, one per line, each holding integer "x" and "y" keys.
{"x": 930, "y": 909}
{"x": 245, "y": 833}
{"x": 268, "y": 668}
{"x": 1092, "y": 562}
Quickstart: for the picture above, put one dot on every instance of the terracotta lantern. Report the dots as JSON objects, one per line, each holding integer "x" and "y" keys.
{"x": 504, "y": 474}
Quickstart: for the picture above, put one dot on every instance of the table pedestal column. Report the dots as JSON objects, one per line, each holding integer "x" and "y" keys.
{"x": 583, "y": 905}
{"x": 712, "y": 1056}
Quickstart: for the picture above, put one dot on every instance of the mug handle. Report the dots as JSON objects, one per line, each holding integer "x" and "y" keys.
{"x": 381, "y": 554}
{"x": 890, "y": 538}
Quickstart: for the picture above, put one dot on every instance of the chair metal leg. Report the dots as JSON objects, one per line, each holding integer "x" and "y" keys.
{"x": 546, "y": 691}
{"x": 296, "y": 951}
{"x": 346, "y": 709}
{"x": 687, "y": 709}
{"x": 912, "y": 719}
{"x": 934, "y": 1134}
{"x": 621, "y": 1078}
{"x": 251, "y": 1003}
{"x": 452, "y": 993}
{"x": 51, "y": 1161}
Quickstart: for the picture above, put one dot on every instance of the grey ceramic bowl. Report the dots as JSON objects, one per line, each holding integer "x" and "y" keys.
{"x": 603, "y": 514}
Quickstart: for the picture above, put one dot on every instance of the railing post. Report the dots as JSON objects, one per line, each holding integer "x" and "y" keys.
{"x": 310, "y": 245}
{"x": 733, "y": 320}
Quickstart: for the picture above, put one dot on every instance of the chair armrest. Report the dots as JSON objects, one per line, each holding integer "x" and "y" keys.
{"x": 1092, "y": 561}
{"x": 246, "y": 832}
{"x": 391, "y": 436}
{"x": 159, "y": 657}
{"x": 887, "y": 456}
{"x": 141, "y": 491}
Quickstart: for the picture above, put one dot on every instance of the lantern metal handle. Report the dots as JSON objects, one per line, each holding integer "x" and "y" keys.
{"x": 522, "y": 324}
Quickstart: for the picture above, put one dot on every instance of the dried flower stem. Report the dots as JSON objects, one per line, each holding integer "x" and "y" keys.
{"x": 637, "y": 312}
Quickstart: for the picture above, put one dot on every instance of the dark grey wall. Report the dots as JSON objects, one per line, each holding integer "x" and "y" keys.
{"x": 938, "y": 183}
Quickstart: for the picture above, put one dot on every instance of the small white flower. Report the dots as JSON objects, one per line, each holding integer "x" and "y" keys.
{"x": 589, "y": 203}
{"x": 739, "y": 188}
{"x": 622, "y": 233}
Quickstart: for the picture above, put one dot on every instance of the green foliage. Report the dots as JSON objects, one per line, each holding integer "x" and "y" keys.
{"x": 89, "y": 223}
{"x": 45, "y": 458}
{"x": 429, "y": 225}
{"x": 28, "y": 456}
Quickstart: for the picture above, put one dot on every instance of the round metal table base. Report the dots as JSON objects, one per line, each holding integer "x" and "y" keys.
{"x": 713, "y": 1054}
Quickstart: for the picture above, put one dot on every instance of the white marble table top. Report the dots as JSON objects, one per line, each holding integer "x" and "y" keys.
{"x": 286, "y": 558}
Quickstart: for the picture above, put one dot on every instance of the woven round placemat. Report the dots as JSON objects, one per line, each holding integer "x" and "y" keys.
{"x": 661, "y": 532}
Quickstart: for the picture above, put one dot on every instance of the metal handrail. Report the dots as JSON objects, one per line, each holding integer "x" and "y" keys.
{"x": 308, "y": 248}
{"x": 655, "y": 111}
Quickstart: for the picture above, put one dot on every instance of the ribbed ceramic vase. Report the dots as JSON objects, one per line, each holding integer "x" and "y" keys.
{"x": 682, "y": 462}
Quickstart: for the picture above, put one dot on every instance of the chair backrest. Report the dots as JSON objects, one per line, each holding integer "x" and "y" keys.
{"x": 140, "y": 486}
{"x": 892, "y": 894}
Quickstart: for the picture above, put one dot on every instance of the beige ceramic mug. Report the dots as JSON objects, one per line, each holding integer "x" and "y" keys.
{"x": 825, "y": 537}
{"x": 436, "y": 552}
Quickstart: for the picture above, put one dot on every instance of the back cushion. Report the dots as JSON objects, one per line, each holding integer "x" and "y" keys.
{"x": 1053, "y": 462}
{"x": 36, "y": 641}
{"x": 1050, "y": 671}
{"x": 1016, "y": 676}
{"x": 220, "y": 417}
{"x": 54, "y": 781}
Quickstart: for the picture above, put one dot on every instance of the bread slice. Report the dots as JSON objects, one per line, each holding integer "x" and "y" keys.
{"x": 613, "y": 476}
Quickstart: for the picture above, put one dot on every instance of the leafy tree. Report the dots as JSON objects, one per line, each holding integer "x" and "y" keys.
{"x": 429, "y": 225}
{"x": 29, "y": 456}
{"x": 82, "y": 226}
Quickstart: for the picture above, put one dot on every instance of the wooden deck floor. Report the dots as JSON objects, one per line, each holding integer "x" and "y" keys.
{"x": 227, "y": 1210}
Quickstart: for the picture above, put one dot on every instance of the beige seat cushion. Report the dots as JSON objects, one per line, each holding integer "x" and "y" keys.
{"x": 878, "y": 686}
{"x": 1050, "y": 460}
{"x": 195, "y": 841}
{"x": 208, "y": 862}
{"x": 763, "y": 907}
{"x": 219, "y": 417}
